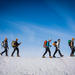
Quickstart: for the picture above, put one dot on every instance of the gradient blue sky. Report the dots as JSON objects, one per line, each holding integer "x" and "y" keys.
{"x": 33, "y": 21}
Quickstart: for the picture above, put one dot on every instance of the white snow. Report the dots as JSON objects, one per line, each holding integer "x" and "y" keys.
{"x": 37, "y": 66}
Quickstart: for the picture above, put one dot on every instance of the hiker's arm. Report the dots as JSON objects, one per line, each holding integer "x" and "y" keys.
{"x": 19, "y": 43}
{"x": 71, "y": 44}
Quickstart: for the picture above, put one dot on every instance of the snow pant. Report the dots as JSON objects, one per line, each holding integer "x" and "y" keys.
{"x": 47, "y": 50}
{"x": 57, "y": 50}
{"x": 72, "y": 51}
{"x": 5, "y": 51}
{"x": 15, "y": 49}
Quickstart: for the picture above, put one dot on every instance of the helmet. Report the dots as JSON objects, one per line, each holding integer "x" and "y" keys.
{"x": 16, "y": 39}
{"x": 72, "y": 38}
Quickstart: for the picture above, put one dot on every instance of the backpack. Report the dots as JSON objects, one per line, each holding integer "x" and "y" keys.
{"x": 45, "y": 44}
{"x": 54, "y": 44}
{"x": 2, "y": 44}
{"x": 69, "y": 42}
{"x": 13, "y": 43}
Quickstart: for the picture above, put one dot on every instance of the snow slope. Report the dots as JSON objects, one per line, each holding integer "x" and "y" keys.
{"x": 37, "y": 66}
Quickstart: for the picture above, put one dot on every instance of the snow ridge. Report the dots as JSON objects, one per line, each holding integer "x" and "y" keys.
{"x": 37, "y": 66}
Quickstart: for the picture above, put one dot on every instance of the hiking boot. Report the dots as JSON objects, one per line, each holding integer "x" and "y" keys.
{"x": 0, "y": 54}
{"x": 54, "y": 56}
{"x": 62, "y": 55}
{"x": 50, "y": 56}
{"x": 43, "y": 56}
{"x": 11, "y": 55}
{"x": 71, "y": 55}
{"x": 18, "y": 56}
{"x": 6, "y": 55}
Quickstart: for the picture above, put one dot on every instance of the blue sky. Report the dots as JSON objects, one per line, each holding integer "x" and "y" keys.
{"x": 33, "y": 21}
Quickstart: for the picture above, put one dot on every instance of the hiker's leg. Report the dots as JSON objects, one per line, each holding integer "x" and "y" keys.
{"x": 17, "y": 52}
{"x": 60, "y": 53}
{"x": 54, "y": 53}
{"x": 45, "y": 52}
{"x": 6, "y": 52}
{"x": 3, "y": 52}
{"x": 13, "y": 52}
{"x": 49, "y": 51}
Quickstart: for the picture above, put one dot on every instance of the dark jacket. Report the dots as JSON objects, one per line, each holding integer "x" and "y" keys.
{"x": 5, "y": 44}
{"x": 17, "y": 44}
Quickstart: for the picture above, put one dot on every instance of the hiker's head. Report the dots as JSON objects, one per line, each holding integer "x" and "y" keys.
{"x": 58, "y": 40}
{"x": 16, "y": 39}
{"x": 5, "y": 39}
{"x": 72, "y": 39}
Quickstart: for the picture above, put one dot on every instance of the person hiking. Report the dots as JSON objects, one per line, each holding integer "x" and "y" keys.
{"x": 15, "y": 45}
{"x": 71, "y": 44}
{"x": 5, "y": 46}
{"x": 46, "y": 46}
{"x": 57, "y": 48}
